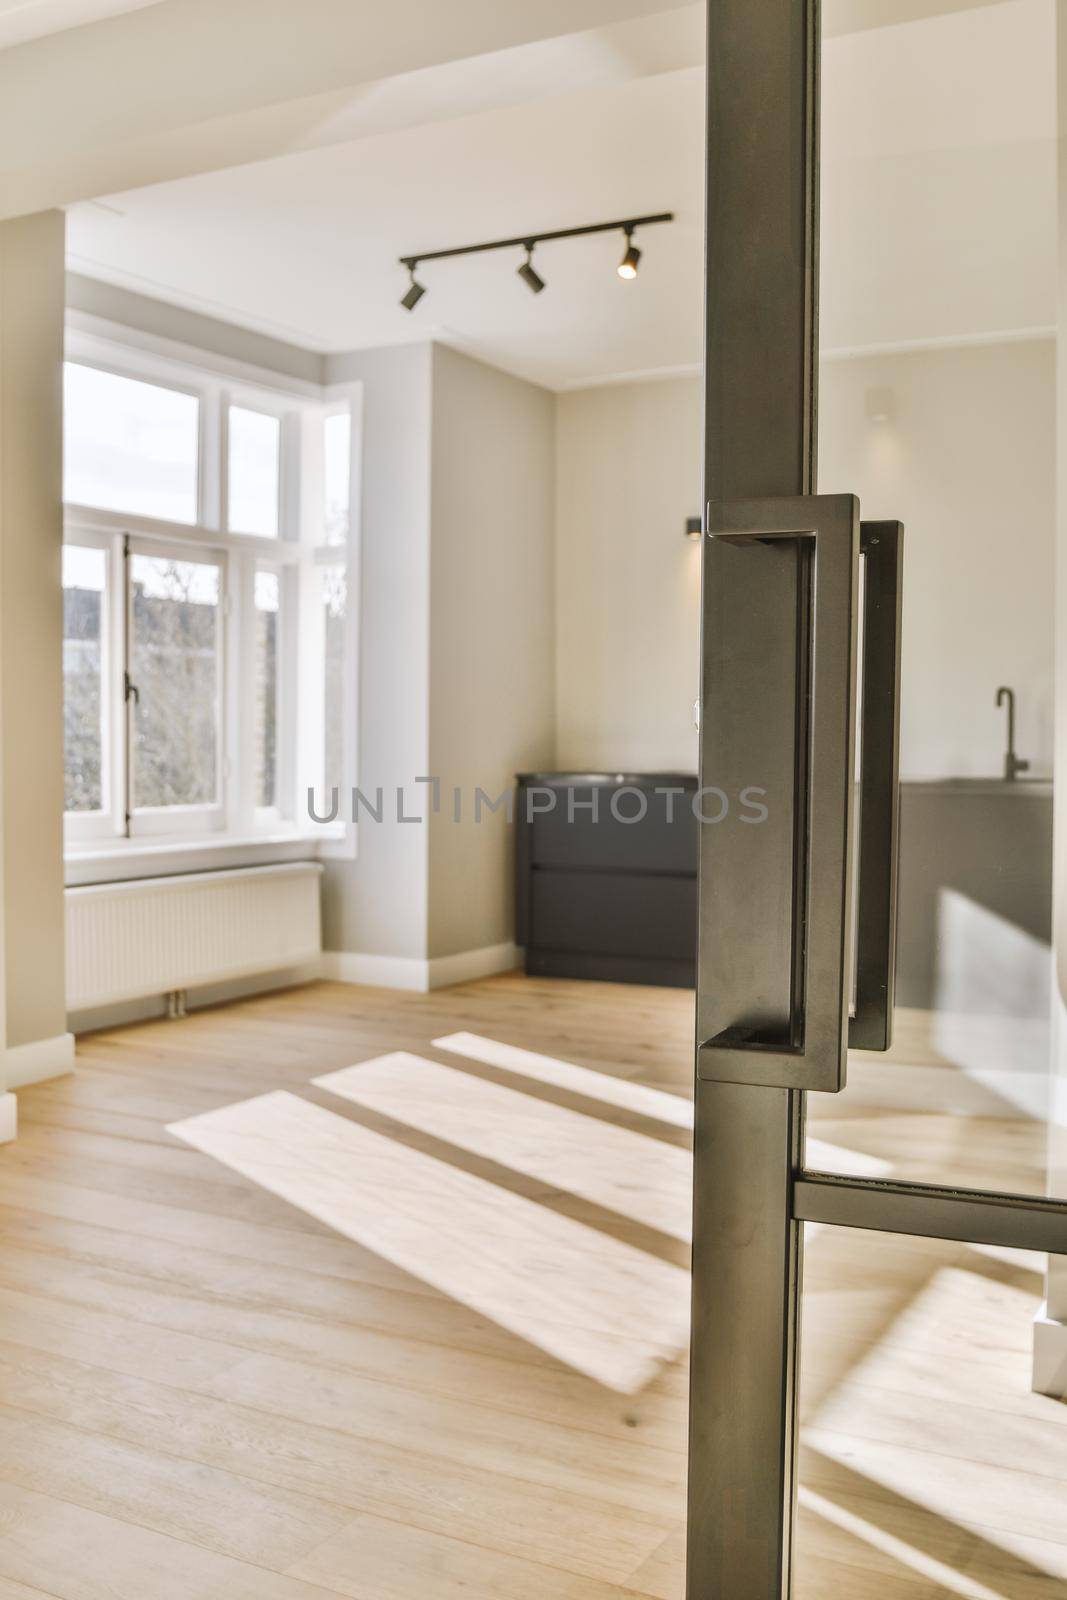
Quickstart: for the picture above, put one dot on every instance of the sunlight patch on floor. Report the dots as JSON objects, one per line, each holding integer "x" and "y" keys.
{"x": 626, "y": 1172}
{"x": 604, "y": 1308}
{"x": 654, "y": 1104}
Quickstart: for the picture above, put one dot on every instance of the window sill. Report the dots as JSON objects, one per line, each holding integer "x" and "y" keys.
{"x": 118, "y": 860}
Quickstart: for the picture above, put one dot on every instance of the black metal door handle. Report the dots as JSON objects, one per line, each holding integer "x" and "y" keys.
{"x": 781, "y": 630}
{"x": 871, "y": 1023}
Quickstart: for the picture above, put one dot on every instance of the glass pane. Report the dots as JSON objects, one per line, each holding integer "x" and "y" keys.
{"x": 129, "y": 446}
{"x": 938, "y": 305}
{"x": 84, "y": 677}
{"x": 337, "y": 443}
{"x": 930, "y": 1467}
{"x": 334, "y": 598}
{"x": 268, "y": 597}
{"x": 254, "y": 458}
{"x": 174, "y": 662}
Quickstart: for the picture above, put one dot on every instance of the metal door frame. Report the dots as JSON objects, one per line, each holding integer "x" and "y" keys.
{"x": 751, "y": 1194}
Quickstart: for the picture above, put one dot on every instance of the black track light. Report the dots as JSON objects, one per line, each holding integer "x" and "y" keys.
{"x": 529, "y": 273}
{"x": 627, "y": 267}
{"x": 415, "y": 289}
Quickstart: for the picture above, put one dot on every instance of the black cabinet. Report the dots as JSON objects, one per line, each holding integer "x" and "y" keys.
{"x": 606, "y": 875}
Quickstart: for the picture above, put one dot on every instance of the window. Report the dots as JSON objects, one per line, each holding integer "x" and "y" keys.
{"x": 175, "y": 679}
{"x": 206, "y": 646}
{"x": 337, "y": 473}
{"x": 254, "y": 475}
{"x": 130, "y": 446}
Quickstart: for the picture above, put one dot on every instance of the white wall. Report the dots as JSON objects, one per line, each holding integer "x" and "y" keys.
{"x": 378, "y": 903}
{"x": 492, "y": 632}
{"x": 456, "y": 658}
{"x": 627, "y": 579}
{"x": 967, "y": 463}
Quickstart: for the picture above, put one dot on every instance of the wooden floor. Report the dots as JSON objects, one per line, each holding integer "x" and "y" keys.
{"x": 228, "y": 1374}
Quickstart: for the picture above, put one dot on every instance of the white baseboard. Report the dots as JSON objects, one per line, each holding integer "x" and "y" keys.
{"x": 471, "y": 964}
{"x": 9, "y": 1118}
{"x": 1050, "y": 1356}
{"x": 405, "y": 972}
{"x": 375, "y": 972}
{"x": 42, "y": 1059}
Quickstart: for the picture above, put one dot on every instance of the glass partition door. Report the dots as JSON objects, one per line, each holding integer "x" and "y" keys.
{"x": 882, "y": 257}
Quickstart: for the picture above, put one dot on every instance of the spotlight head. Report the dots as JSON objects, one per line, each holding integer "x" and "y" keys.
{"x": 529, "y": 273}
{"x": 415, "y": 290}
{"x": 627, "y": 267}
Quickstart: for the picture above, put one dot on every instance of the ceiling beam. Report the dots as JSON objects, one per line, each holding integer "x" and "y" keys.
{"x": 190, "y": 86}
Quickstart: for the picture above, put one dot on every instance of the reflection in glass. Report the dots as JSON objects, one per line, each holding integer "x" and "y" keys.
{"x": 174, "y": 663}
{"x": 929, "y": 1463}
{"x": 84, "y": 609}
{"x": 937, "y": 406}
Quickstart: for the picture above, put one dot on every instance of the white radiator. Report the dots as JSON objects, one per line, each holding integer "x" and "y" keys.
{"x": 127, "y": 940}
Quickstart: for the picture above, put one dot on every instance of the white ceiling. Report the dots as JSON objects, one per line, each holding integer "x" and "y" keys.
{"x": 938, "y": 200}
{"x": 21, "y": 20}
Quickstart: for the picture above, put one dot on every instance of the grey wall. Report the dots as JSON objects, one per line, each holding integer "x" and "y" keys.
{"x": 627, "y": 580}
{"x": 492, "y": 631}
{"x": 31, "y": 623}
{"x": 378, "y": 903}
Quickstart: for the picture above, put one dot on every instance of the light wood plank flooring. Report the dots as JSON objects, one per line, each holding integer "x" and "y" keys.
{"x": 208, "y": 1390}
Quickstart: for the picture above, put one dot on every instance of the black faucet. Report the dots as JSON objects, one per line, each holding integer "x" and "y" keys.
{"x": 1012, "y": 763}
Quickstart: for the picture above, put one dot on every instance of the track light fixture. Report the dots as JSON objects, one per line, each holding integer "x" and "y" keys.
{"x": 415, "y": 289}
{"x": 627, "y": 267}
{"x": 529, "y": 274}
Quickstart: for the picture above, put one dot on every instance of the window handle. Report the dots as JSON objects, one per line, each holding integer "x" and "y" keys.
{"x": 130, "y": 690}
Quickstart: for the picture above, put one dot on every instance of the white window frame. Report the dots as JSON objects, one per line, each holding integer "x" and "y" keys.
{"x": 100, "y": 825}
{"x": 338, "y": 840}
{"x": 295, "y": 554}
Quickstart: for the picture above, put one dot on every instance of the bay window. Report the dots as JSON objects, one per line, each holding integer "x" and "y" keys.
{"x": 208, "y": 646}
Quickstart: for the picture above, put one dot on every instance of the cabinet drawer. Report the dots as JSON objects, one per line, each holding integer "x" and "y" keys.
{"x": 614, "y": 913}
{"x": 652, "y": 844}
